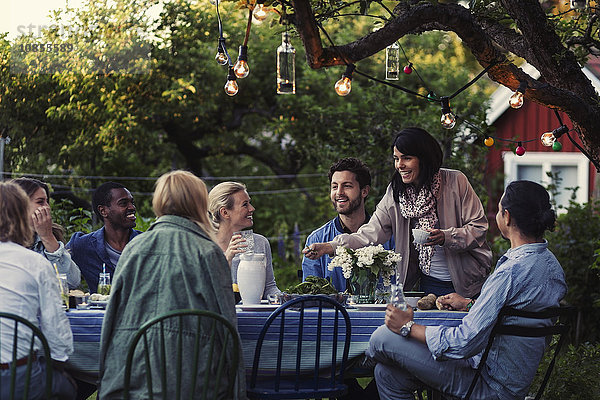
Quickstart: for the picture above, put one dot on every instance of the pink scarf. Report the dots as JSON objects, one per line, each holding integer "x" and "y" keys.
{"x": 422, "y": 206}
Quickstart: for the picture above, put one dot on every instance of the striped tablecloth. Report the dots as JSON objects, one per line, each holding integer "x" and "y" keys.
{"x": 86, "y": 326}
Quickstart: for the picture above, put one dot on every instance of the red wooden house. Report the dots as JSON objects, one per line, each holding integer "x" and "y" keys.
{"x": 529, "y": 123}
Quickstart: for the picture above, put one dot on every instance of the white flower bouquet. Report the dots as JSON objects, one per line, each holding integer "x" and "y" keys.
{"x": 379, "y": 261}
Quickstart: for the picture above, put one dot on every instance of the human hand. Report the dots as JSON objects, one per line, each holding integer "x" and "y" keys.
{"x": 395, "y": 318}
{"x": 453, "y": 301}
{"x": 237, "y": 244}
{"x": 42, "y": 224}
{"x": 436, "y": 237}
{"x": 317, "y": 250}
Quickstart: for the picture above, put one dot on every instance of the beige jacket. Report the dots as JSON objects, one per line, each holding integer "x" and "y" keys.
{"x": 463, "y": 221}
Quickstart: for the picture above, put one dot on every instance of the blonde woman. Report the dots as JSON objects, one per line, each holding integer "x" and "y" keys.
{"x": 231, "y": 211}
{"x": 174, "y": 265}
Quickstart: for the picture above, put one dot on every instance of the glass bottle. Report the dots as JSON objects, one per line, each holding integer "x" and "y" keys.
{"x": 64, "y": 290}
{"x": 104, "y": 283}
{"x": 286, "y": 69}
{"x": 398, "y": 299}
{"x": 392, "y": 62}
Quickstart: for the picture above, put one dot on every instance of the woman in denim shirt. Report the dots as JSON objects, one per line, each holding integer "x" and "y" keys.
{"x": 527, "y": 277}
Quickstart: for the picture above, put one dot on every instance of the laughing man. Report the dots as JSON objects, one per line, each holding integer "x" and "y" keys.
{"x": 350, "y": 183}
{"x": 114, "y": 205}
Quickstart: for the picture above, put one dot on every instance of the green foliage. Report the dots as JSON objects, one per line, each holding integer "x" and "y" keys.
{"x": 576, "y": 374}
{"x": 312, "y": 285}
{"x": 70, "y": 218}
{"x": 175, "y": 114}
{"x": 575, "y": 243}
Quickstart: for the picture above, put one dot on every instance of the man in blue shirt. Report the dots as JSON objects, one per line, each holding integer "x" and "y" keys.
{"x": 527, "y": 277}
{"x": 114, "y": 205}
{"x": 350, "y": 183}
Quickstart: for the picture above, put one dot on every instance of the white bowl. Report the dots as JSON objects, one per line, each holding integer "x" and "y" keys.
{"x": 420, "y": 236}
{"x": 412, "y": 301}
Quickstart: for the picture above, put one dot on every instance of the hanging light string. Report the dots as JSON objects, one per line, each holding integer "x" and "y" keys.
{"x": 414, "y": 68}
{"x": 221, "y": 44}
{"x": 472, "y": 81}
{"x": 579, "y": 147}
{"x": 248, "y": 25}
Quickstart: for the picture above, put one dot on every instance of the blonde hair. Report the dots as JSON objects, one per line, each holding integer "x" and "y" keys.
{"x": 222, "y": 196}
{"x": 14, "y": 215}
{"x": 183, "y": 194}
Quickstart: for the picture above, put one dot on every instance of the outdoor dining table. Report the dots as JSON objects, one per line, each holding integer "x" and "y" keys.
{"x": 86, "y": 326}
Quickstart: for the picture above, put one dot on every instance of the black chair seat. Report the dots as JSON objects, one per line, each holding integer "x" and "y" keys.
{"x": 311, "y": 354}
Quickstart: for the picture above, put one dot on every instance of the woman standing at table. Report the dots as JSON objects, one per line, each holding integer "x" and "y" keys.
{"x": 231, "y": 211}
{"x": 455, "y": 257}
{"x": 49, "y": 238}
{"x": 174, "y": 265}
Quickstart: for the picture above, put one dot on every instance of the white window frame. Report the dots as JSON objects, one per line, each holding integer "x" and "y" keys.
{"x": 546, "y": 161}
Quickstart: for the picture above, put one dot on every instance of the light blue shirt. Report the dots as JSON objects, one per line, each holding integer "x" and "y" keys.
{"x": 528, "y": 278}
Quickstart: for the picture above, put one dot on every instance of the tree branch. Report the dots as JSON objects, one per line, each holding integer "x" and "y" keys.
{"x": 562, "y": 84}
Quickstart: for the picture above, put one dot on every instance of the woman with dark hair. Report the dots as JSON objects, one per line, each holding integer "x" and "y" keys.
{"x": 49, "y": 237}
{"x": 421, "y": 195}
{"x": 527, "y": 277}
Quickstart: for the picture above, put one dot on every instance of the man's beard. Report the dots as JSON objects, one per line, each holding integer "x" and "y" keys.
{"x": 353, "y": 205}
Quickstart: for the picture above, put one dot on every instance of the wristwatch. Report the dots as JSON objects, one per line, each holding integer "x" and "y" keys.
{"x": 405, "y": 330}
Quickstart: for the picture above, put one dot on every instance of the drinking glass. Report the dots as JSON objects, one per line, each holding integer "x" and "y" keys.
{"x": 104, "y": 283}
{"x": 248, "y": 236}
{"x": 398, "y": 299}
{"x": 64, "y": 290}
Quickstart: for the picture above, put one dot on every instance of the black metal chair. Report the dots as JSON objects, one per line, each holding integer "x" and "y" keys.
{"x": 304, "y": 344}
{"x": 501, "y": 328}
{"x": 36, "y": 334}
{"x": 563, "y": 315}
{"x": 194, "y": 329}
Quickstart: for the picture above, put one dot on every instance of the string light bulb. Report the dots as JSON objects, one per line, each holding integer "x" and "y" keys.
{"x": 517, "y": 98}
{"x": 520, "y": 150}
{"x": 231, "y": 87}
{"x": 241, "y": 67}
{"x": 260, "y": 12}
{"x": 549, "y": 138}
{"x": 344, "y": 85}
{"x": 392, "y": 62}
{"x": 448, "y": 119}
{"x": 557, "y": 146}
{"x": 221, "y": 57}
{"x": 408, "y": 69}
{"x": 579, "y": 4}
{"x": 489, "y": 142}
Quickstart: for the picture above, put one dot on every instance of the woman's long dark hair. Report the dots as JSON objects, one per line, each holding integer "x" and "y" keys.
{"x": 419, "y": 143}
{"x": 529, "y": 206}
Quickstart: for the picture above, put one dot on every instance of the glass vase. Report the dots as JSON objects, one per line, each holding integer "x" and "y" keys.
{"x": 361, "y": 285}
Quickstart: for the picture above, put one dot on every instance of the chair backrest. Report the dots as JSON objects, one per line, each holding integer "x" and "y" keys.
{"x": 314, "y": 337}
{"x": 189, "y": 352}
{"x": 21, "y": 325}
{"x": 563, "y": 314}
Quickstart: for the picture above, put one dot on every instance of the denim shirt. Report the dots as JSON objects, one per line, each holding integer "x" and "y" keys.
{"x": 62, "y": 259}
{"x": 528, "y": 278}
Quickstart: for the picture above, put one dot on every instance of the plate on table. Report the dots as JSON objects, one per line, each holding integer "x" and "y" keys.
{"x": 370, "y": 307}
{"x": 99, "y": 303}
{"x": 258, "y": 307}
